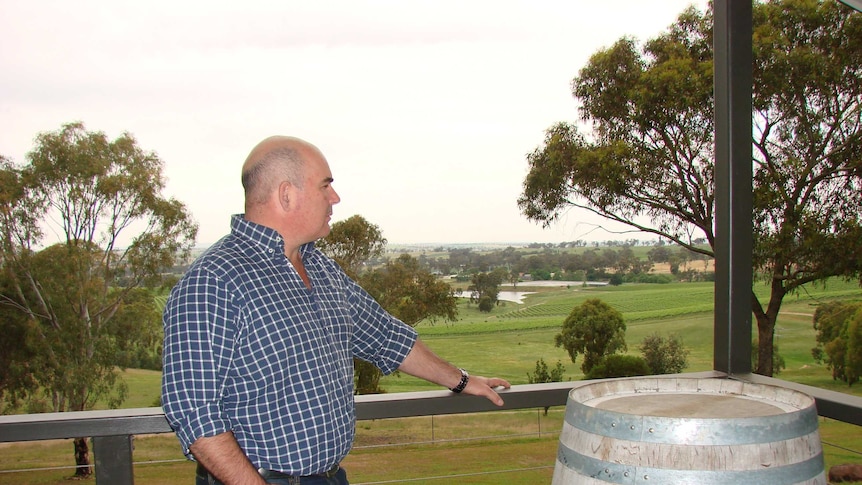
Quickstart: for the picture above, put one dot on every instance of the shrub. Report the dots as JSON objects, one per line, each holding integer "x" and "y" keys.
{"x": 664, "y": 356}
{"x": 541, "y": 375}
{"x": 486, "y": 304}
{"x": 619, "y": 366}
{"x": 839, "y": 339}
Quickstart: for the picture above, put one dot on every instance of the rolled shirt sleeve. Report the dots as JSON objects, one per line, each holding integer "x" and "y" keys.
{"x": 199, "y": 328}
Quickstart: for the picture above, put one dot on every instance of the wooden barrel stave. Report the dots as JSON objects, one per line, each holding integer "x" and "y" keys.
{"x": 779, "y": 445}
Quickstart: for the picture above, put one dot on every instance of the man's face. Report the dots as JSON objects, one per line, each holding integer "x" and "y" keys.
{"x": 314, "y": 200}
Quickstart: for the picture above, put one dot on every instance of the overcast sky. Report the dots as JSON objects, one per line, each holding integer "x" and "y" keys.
{"x": 425, "y": 110}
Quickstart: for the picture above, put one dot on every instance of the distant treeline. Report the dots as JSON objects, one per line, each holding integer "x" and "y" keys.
{"x": 566, "y": 261}
{"x": 575, "y": 260}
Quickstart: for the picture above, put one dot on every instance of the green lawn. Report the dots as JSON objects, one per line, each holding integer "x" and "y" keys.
{"x": 505, "y": 343}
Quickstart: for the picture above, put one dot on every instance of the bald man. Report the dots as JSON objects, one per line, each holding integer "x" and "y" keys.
{"x": 261, "y": 332}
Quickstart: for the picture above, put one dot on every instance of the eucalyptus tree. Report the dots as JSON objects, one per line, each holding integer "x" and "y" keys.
{"x": 593, "y": 329}
{"x": 403, "y": 287}
{"x": 112, "y": 233}
{"x": 642, "y": 153}
{"x": 352, "y": 242}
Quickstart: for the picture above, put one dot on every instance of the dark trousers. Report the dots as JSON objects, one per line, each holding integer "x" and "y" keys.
{"x": 336, "y": 476}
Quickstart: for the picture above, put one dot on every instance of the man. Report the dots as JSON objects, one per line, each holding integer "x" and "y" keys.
{"x": 261, "y": 332}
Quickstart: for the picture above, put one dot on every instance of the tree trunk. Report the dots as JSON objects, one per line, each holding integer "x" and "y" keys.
{"x": 82, "y": 458}
{"x": 766, "y": 327}
{"x": 765, "y": 333}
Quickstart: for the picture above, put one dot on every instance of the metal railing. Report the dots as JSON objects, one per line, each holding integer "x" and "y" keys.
{"x": 113, "y": 431}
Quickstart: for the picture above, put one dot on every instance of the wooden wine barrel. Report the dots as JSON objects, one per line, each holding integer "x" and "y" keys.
{"x": 688, "y": 431}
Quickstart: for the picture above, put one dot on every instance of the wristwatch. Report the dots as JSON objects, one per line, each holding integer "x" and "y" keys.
{"x": 461, "y": 385}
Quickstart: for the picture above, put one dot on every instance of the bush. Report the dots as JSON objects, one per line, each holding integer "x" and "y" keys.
{"x": 619, "y": 366}
{"x": 664, "y": 356}
{"x": 661, "y": 279}
{"x": 486, "y": 304}
{"x": 839, "y": 339}
{"x": 541, "y": 375}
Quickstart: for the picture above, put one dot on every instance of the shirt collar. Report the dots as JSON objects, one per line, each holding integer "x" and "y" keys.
{"x": 265, "y": 237}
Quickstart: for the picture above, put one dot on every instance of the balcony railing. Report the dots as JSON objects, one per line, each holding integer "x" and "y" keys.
{"x": 113, "y": 431}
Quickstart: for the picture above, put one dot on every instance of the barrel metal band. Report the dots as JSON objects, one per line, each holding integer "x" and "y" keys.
{"x": 691, "y": 431}
{"x": 630, "y": 475}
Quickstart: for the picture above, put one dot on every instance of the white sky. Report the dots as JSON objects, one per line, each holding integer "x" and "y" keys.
{"x": 425, "y": 110}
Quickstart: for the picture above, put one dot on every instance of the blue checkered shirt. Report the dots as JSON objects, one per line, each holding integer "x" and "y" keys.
{"x": 250, "y": 349}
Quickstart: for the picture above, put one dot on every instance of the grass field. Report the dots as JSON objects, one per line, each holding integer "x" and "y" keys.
{"x": 505, "y": 343}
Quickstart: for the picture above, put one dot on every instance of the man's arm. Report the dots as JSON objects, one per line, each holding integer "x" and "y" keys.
{"x": 222, "y": 456}
{"x": 425, "y": 364}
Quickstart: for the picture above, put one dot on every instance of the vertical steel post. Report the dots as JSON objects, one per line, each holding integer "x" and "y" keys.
{"x": 733, "y": 60}
{"x": 114, "y": 460}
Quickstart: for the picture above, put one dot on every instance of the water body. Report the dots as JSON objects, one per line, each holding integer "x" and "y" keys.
{"x": 512, "y": 296}
{"x": 518, "y": 296}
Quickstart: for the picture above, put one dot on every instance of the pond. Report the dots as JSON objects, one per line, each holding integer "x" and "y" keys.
{"x": 513, "y": 296}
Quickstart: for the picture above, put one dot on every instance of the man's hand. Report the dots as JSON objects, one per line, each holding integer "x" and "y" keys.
{"x": 485, "y": 387}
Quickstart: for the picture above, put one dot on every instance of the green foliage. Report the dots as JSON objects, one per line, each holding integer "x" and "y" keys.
{"x": 619, "y": 366}
{"x": 542, "y": 375}
{"x": 402, "y": 287}
{"x": 352, "y": 242}
{"x": 17, "y": 379}
{"x": 138, "y": 320}
{"x": 593, "y": 329}
{"x": 411, "y": 294}
{"x": 78, "y": 299}
{"x": 486, "y": 286}
{"x": 649, "y": 278}
{"x": 485, "y": 304}
{"x": 664, "y": 355}
{"x": 839, "y": 342}
{"x": 408, "y": 291}
{"x": 853, "y": 366}
{"x": 648, "y": 158}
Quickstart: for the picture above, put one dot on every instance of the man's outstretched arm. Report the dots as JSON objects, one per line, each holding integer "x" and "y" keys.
{"x": 425, "y": 364}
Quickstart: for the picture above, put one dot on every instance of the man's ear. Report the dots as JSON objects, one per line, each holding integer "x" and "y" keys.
{"x": 284, "y": 197}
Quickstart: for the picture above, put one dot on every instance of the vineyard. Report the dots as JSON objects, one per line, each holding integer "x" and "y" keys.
{"x": 635, "y": 302}
{"x": 547, "y": 308}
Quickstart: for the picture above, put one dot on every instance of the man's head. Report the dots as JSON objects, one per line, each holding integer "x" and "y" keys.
{"x": 288, "y": 186}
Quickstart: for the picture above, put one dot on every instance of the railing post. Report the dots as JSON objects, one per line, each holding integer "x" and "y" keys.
{"x": 733, "y": 198}
{"x": 114, "y": 460}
